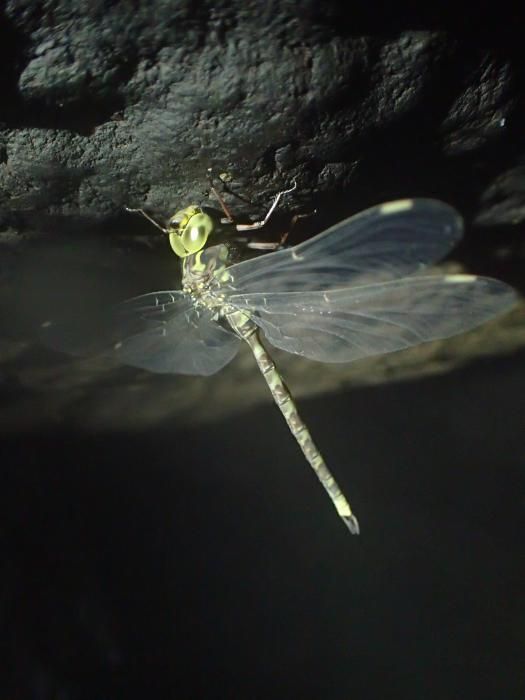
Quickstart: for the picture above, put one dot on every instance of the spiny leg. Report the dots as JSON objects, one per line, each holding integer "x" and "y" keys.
{"x": 259, "y": 224}
{"x": 245, "y": 328}
{"x": 255, "y": 225}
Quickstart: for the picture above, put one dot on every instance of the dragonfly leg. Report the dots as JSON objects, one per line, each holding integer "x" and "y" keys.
{"x": 255, "y": 225}
{"x": 259, "y": 224}
{"x": 295, "y": 219}
{"x": 277, "y": 245}
{"x": 229, "y": 217}
{"x": 224, "y": 179}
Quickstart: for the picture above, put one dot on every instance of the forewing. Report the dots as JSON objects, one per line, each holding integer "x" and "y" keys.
{"x": 383, "y": 243}
{"x": 347, "y": 324}
{"x": 162, "y": 332}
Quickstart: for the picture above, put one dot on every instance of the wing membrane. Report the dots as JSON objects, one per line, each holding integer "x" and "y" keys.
{"x": 347, "y": 324}
{"x": 165, "y": 332}
{"x": 161, "y": 332}
{"x": 382, "y": 243}
{"x": 340, "y": 296}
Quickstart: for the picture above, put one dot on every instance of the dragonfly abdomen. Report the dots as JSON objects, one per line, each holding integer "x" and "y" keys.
{"x": 247, "y": 329}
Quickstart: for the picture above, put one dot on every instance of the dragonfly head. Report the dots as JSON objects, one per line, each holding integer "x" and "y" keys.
{"x": 188, "y": 230}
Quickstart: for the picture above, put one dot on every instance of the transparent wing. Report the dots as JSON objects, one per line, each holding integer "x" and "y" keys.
{"x": 161, "y": 332}
{"x": 347, "y": 324}
{"x": 164, "y": 332}
{"x": 383, "y": 243}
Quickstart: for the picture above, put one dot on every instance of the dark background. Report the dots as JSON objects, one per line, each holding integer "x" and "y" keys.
{"x": 209, "y": 563}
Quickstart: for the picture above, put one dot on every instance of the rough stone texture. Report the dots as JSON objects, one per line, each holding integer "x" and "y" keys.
{"x": 130, "y": 104}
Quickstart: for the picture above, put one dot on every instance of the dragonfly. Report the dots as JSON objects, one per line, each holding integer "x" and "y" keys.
{"x": 353, "y": 291}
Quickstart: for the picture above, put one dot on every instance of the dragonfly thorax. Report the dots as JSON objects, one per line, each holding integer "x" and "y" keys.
{"x": 204, "y": 274}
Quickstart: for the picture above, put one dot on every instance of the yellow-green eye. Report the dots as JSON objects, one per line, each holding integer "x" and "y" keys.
{"x": 176, "y": 245}
{"x": 196, "y": 233}
{"x": 189, "y": 230}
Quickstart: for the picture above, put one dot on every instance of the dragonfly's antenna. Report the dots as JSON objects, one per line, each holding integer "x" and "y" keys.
{"x": 148, "y": 217}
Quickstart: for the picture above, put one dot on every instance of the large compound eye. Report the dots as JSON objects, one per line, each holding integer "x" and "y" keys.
{"x": 176, "y": 245}
{"x": 180, "y": 219}
{"x": 196, "y": 232}
{"x": 188, "y": 230}
{"x": 176, "y": 220}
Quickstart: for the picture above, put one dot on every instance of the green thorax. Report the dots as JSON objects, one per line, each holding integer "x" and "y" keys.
{"x": 205, "y": 272}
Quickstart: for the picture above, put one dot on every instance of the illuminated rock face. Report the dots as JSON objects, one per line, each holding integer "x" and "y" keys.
{"x": 130, "y": 106}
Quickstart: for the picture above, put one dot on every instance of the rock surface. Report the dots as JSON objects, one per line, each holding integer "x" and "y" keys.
{"x": 118, "y": 106}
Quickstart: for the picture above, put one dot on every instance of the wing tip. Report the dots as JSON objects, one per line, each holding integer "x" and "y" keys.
{"x": 452, "y": 218}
